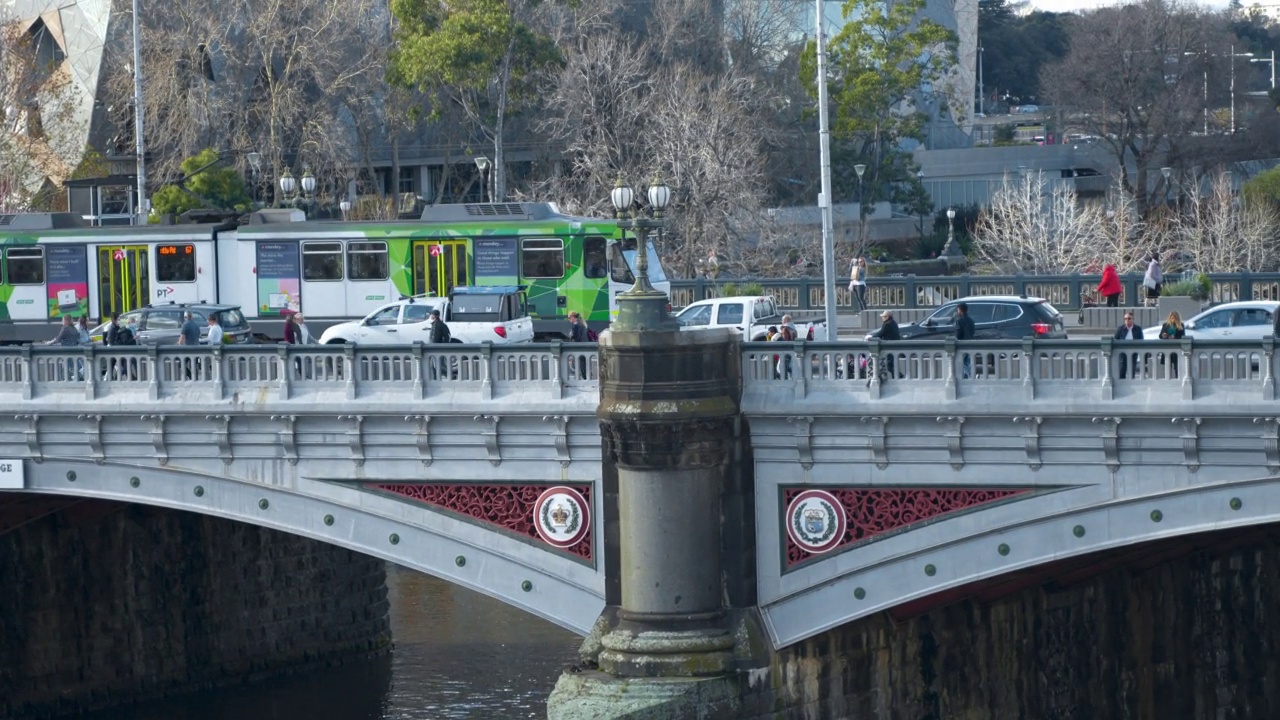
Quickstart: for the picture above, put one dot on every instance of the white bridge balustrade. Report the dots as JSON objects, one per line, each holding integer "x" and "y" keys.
{"x": 282, "y": 372}
{"x": 1072, "y": 370}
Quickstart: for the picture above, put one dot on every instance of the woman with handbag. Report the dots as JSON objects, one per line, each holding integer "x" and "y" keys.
{"x": 1172, "y": 329}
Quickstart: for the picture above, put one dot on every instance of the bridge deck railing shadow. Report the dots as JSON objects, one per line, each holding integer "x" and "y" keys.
{"x": 550, "y": 371}
{"x": 1102, "y": 369}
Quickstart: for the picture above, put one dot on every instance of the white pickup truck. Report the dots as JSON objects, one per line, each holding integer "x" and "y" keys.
{"x": 496, "y": 314}
{"x": 749, "y": 315}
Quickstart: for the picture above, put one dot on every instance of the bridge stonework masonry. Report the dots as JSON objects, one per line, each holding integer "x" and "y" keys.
{"x": 843, "y": 530}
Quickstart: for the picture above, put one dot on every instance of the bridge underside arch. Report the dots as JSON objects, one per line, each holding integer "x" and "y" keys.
{"x": 1178, "y": 627}
{"x": 555, "y": 586}
{"x": 1062, "y": 535}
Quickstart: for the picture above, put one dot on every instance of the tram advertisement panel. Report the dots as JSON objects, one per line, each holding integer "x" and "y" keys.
{"x": 279, "y": 278}
{"x": 495, "y": 260}
{"x": 67, "y": 280}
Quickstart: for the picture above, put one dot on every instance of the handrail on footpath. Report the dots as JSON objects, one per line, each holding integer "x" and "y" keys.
{"x": 1003, "y": 371}
{"x": 1065, "y": 292}
{"x": 534, "y": 372}
{"x": 1006, "y": 370}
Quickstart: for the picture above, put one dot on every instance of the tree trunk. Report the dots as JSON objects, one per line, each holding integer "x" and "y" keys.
{"x": 499, "y": 156}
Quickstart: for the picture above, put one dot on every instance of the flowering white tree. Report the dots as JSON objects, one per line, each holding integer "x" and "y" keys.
{"x": 1221, "y": 233}
{"x": 1028, "y": 230}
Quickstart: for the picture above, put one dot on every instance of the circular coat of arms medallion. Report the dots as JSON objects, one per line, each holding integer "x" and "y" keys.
{"x": 816, "y": 521}
{"x": 561, "y": 516}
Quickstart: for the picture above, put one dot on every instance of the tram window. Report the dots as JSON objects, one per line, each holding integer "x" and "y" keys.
{"x": 595, "y": 263}
{"x": 367, "y": 260}
{"x": 621, "y": 272}
{"x": 26, "y": 265}
{"x": 542, "y": 258}
{"x": 321, "y": 261}
{"x": 176, "y": 263}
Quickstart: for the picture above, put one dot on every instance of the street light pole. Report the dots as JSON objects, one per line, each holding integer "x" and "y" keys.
{"x": 1203, "y": 55}
{"x": 981, "y": 91}
{"x": 137, "y": 115}
{"x": 862, "y": 213}
{"x": 1235, "y": 55}
{"x": 824, "y": 200}
{"x": 1272, "y": 60}
{"x": 482, "y": 164}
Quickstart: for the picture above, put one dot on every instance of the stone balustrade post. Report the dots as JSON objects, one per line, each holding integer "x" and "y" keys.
{"x": 349, "y": 360}
{"x": 28, "y": 374}
{"x": 283, "y": 366}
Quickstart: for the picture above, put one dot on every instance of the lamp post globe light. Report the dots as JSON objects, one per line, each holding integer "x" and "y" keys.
{"x": 288, "y": 184}
{"x": 642, "y": 308}
{"x": 308, "y": 182}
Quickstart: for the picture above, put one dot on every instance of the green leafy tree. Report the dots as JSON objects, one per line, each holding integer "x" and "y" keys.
{"x": 484, "y": 56}
{"x": 1263, "y": 187}
{"x": 203, "y": 184}
{"x": 1014, "y": 46}
{"x": 885, "y": 67}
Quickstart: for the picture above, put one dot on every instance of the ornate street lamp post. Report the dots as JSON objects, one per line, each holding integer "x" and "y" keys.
{"x": 862, "y": 211}
{"x": 952, "y": 250}
{"x": 482, "y": 164}
{"x": 255, "y": 164}
{"x": 642, "y": 307}
{"x": 308, "y": 188}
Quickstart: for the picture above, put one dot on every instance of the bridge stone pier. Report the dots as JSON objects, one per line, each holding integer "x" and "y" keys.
{"x": 988, "y": 529}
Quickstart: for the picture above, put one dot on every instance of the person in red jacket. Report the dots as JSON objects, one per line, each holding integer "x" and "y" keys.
{"x": 1110, "y": 288}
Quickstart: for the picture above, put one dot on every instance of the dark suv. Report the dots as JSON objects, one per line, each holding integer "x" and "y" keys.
{"x": 161, "y": 324}
{"x": 995, "y": 317}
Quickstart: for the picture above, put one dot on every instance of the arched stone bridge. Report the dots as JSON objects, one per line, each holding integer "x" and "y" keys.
{"x": 869, "y": 493}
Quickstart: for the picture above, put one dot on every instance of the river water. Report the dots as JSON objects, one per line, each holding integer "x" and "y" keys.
{"x": 458, "y": 654}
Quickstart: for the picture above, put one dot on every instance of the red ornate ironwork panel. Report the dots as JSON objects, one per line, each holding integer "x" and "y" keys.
{"x": 509, "y": 507}
{"x": 872, "y": 512}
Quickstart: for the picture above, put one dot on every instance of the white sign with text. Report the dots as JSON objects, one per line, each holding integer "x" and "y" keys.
{"x": 11, "y": 477}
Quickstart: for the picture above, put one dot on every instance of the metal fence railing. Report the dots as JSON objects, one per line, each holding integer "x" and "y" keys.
{"x": 1066, "y": 292}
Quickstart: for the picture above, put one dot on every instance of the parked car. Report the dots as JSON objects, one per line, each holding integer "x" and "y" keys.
{"x": 1247, "y": 320}
{"x": 995, "y": 317}
{"x": 162, "y": 324}
{"x": 749, "y": 315}
{"x": 496, "y": 314}
{"x": 1027, "y": 109}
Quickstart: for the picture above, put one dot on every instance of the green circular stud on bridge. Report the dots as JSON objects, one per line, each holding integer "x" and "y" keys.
{"x": 1003, "y": 549}
{"x": 930, "y": 570}
{"x": 1078, "y": 531}
{"x": 1156, "y": 516}
{"x": 859, "y": 593}
{"x": 328, "y": 519}
{"x": 394, "y": 539}
{"x": 134, "y": 481}
{"x": 1236, "y": 503}
{"x": 526, "y": 586}
{"x": 198, "y": 491}
{"x": 263, "y": 504}
{"x": 460, "y": 561}
{"x": 71, "y": 476}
